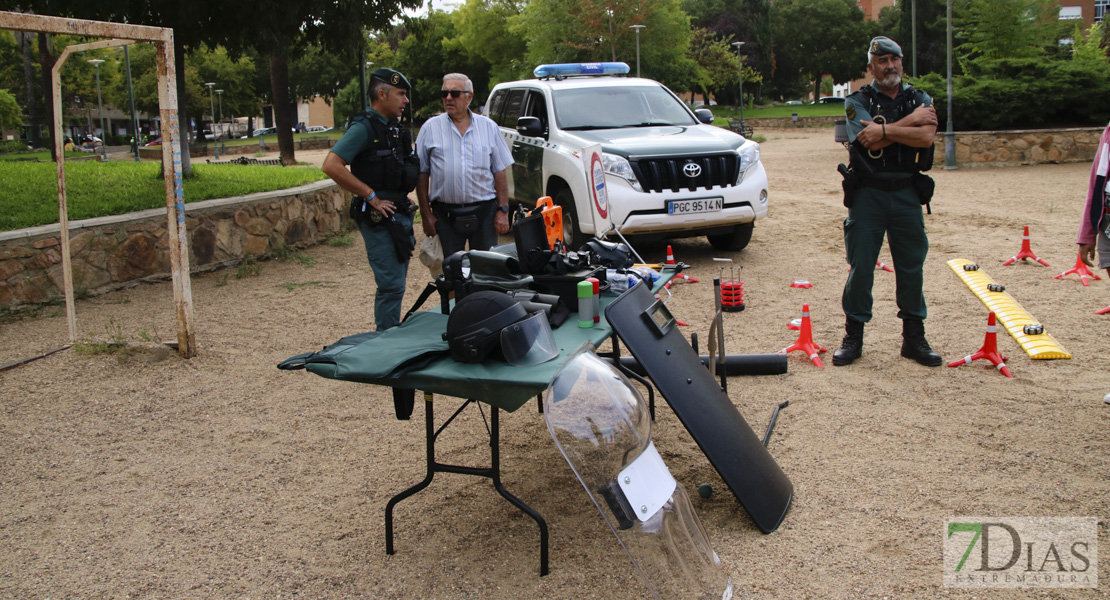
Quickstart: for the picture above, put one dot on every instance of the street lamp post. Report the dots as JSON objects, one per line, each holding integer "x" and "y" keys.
{"x": 366, "y": 77}
{"x": 637, "y": 28}
{"x": 100, "y": 109}
{"x": 740, "y": 57}
{"x": 212, "y": 106}
{"x": 949, "y": 135}
{"x": 220, "y": 139}
{"x": 136, "y": 139}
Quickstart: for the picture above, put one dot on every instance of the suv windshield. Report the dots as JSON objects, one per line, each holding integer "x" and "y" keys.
{"x": 618, "y": 107}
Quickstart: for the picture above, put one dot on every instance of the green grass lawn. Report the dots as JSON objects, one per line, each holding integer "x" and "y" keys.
{"x": 781, "y": 111}
{"x": 29, "y": 196}
{"x": 271, "y": 139}
{"x": 42, "y": 155}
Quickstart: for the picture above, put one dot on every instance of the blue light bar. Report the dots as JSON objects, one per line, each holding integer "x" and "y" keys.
{"x": 571, "y": 69}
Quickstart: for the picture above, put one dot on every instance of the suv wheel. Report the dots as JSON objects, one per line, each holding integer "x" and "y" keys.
{"x": 736, "y": 240}
{"x": 572, "y": 234}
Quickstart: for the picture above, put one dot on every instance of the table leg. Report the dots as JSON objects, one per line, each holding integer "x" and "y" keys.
{"x": 493, "y": 472}
{"x": 495, "y": 459}
{"x": 429, "y": 435}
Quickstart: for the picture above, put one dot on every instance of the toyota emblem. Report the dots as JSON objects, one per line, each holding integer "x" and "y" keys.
{"x": 691, "y": 170}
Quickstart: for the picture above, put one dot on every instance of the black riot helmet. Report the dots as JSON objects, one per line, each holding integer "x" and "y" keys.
{"x": 490, "y": 323}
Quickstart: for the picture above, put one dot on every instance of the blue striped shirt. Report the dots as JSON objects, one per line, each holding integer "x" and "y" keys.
{"x": 461, "y": 167}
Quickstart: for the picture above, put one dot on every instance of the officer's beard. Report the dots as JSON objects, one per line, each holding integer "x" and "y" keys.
{"x": 891, "y": 80}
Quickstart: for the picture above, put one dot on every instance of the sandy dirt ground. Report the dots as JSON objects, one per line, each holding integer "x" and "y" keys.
{"x": 138, "y": 474}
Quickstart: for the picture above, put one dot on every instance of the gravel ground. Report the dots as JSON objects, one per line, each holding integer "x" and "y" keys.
{"x": 137, "y": 474}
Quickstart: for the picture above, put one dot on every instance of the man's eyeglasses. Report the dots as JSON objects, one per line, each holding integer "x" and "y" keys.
{"x": 452, "y": 93}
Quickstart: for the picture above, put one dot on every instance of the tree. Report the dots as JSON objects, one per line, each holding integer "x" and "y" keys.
{"x": 821, "y": 37}
{"x": 431, "y": 50}
{"x": 599, "y": 31}
{"x": 483, "y": 28}
{"x": 1006, "y": 28}
{"x": 896, "y": 22}
{"x": 275, "y": 29}
{"x": 747, "y": 21}
{"x": 1087, "y": 45}
{"x": 11, "y": 116}
{"x": 719, "y": 68}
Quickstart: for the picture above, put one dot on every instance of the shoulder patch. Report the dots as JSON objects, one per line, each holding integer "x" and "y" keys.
{"x": 850, "y": 111}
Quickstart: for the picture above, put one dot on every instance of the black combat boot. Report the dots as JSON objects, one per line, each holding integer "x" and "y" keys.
{"x": 852, "y": 346}
{"x": 914, "y": 345}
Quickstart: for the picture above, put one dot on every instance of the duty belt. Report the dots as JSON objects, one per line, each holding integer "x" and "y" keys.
{"x": 887, "y": 185}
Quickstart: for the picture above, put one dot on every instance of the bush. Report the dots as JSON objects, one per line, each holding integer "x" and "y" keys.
{"x": 1021, "y": 93}
{"x": 16, "y": 145}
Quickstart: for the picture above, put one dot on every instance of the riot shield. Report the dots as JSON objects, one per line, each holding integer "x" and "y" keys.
{"x": 602, "y": 426}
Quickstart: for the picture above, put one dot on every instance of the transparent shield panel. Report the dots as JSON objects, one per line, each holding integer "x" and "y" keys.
{"x": 602, "y": 426}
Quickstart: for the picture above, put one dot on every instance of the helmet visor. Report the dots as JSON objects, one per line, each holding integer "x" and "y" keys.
{"x": 529, "y": 341}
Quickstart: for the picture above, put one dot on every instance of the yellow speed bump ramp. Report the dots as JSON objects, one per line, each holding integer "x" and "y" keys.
{"x": 1010, "y": 314}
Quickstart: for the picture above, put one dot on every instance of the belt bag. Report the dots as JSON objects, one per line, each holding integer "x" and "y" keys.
{"x": 465, "y": 219}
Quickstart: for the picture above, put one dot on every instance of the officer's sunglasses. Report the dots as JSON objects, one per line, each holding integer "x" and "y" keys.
{"x": 452, "y": 93}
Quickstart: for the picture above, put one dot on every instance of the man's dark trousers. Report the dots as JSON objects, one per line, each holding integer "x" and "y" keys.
{"x": 897, "y": 215}
{"x": 484, "y": 238}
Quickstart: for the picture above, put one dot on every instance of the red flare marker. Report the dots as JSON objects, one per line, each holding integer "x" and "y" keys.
{"x": 1026, "y": 251}
{"x": 1081, "y": 270}
{"x": 988, "y": 351}
{"x": 805, "y": 341}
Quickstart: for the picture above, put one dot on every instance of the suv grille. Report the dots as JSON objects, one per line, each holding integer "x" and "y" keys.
{"x": 660, "y": 174}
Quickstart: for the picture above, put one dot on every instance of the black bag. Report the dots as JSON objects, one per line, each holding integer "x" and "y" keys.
{"x": 465, "y": 220}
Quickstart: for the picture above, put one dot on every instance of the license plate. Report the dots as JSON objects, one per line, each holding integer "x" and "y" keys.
{"x": 700, "y": 205}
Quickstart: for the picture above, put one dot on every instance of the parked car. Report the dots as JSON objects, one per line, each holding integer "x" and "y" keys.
{"x": 155, "y": 142}
{"x": 317, "y": 129}
{"x": 830, "y": 100}
{"x": 793, "y": 102}
{"x": 669, "y": 173}
{"x": 265, "y": 131}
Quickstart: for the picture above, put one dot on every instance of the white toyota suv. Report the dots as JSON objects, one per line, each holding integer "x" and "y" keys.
{"x": 668, "y": 173}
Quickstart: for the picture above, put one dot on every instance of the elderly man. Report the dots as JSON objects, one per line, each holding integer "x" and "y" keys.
{"x": 382, "y": 173}
{"x": 463, "y": 188}
{"x": 891, "y": 127}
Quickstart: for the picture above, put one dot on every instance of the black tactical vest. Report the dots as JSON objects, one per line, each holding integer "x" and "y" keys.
{"x": 897, "y": 158}
{"x": 389, "y": 163}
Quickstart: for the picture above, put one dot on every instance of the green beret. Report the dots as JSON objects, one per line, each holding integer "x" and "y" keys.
{"x": 393, "y": 78}
{"x": 884, "y": 45}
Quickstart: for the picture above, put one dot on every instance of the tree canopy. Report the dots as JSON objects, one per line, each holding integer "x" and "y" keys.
{"x": 821, "y": 37}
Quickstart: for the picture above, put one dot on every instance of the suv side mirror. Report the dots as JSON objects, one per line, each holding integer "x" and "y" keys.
{"x": 529, "y": 126}
{"x": 704, "y": 115}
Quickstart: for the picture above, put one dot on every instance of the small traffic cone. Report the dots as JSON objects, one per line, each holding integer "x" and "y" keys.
{"x": 1026, "y": 251}
{"x": 805, "y": 341}
{"x": 670, "y": 255}
{"x": 883, "y": 266}
{"x": 989, "y": 350}
{"x": 1081, "y": 270}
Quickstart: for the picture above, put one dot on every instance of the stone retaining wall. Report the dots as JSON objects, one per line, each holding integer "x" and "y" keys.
{"x": 208, "y": 150}
{"x": 110, "y": 253}
{"x": 986, "y": 148}
{"x": 1021, "y": 147}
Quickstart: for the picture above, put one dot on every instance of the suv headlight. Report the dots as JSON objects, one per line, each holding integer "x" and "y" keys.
{"x": 619, "y": 166}
{"x": 749, "y": 156}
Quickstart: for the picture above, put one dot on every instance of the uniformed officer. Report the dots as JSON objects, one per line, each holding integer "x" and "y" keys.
{"x": 891, "y": 127}
{"x": 378, "y": 151}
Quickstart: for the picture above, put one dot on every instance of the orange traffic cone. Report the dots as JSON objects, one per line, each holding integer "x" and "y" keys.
{"x": 805, "y": 341}
{"x": 1026, "y": 251}
{"x": 1081, "y": 270}
{"x": 670, "y": 255}
{"x": 883, "y": 266}
{"x": 989, "y": 350}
